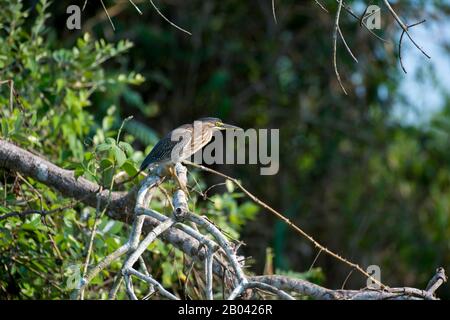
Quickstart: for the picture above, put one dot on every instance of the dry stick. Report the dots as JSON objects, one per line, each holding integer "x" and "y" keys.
{"x": 287, "y": 221}
{"x": 361, "y": 19}
{"x": 209, "y": 275}
{"x": 115, "y": 287}
{"x": 259, "y": 285}
{"x": 33, "y": 189}
{"x": 400, "y": 44}
{"x": 335, "y": 32}
{"x": 87, "y": 277}
{"x": 166, "y": 194}
{"x": 404, "y": 27}
{"x": 394, "y": 14}
{"x": 315, "y": 260}
{"x": 170, "y": 22}
{"x": 205, "y": 193}
{"x": 273, "y": 12}
{"x": 98, "y": 215}
{"x": 438, "y": 279}
{"x": 350, "y": 12}
{"x": 321, "y": 6}
{"x": 107, "y": 14}
{"x": 346, "y": 45}
{"x": 91, "y": 241}
{"x": 52, "y": 241}
{"x": 346, "y": 279}
{"x": 144, "y": 268}
{"x": 43, "y": 276}
{"x": 150, "y": 280}
{"x": 135, "y": 6}
{"x": 43, "y": 213}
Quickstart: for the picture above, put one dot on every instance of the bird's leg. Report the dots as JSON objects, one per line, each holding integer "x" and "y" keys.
{"x": 174, "y": 175}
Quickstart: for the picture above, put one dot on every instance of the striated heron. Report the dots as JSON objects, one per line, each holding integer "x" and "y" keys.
{"x": 182, "y": 142}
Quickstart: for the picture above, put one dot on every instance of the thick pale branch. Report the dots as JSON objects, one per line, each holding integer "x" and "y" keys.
{"x": 198, "y": 246}
{"x": 120, "y": 208}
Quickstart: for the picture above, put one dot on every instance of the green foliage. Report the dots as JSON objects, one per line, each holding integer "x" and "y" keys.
{"x": 51, "y": 115}
{"x": 56, "y": 90}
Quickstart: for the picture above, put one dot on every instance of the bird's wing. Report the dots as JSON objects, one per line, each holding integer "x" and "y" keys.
{"x": 169, "y": 148}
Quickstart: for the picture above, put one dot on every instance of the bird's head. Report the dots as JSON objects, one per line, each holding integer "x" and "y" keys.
{"x": 217, "y": 124}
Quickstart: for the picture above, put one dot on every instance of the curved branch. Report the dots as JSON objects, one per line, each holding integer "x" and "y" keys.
{"x": 186, "y": 239}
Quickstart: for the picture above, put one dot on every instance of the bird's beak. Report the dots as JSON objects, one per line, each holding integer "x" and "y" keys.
{"x": 225, "y": 126}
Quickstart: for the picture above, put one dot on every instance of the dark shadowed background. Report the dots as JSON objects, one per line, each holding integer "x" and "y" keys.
{"x": 367, "y": 174}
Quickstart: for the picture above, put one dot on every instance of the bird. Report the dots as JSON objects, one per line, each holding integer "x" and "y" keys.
{"x": 182, "y": 142}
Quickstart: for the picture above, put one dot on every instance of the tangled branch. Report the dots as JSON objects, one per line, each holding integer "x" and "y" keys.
{"x": 210, "y": 246}
{"x": 337, "y": 31}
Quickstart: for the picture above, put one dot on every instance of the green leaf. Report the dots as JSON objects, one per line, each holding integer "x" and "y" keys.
{"x": 18, "y": 123}
{"x": 248, "y": 210}
{"x": 79, "y": 172}
{"x": 119, "y": 155}
{"x": 5, "y": 128}
{"x": 103, "y": 147}
{"x": 88, "y": 156}
{"x": 106, "y": 164}
{"x": 127, "y": 148}
{"x": 110, "y": 141}
{"x": 129, "y": 168}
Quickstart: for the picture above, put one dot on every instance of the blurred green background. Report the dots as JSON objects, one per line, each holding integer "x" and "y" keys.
{"x": 367, "y": 174}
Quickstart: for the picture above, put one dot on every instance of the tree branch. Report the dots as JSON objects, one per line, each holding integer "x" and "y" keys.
{"x": 121, "y": 207}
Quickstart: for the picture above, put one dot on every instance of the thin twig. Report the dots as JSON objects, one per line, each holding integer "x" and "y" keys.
{"x": 321, "y": 6}
{"x": 315, "y": 260}
{"x": 405, "y": 28}
{"x": 107, "y": 14}
{"x": 346, "y": 278}
{"x": 273, "y": 12}
{"x": 346, "y": 45}
{"x": 351, "y": 13}
{"x": 43, "y": 213}
{"x": 170, "y": 22}
{"x": 400, "y": 44}
{"x": 438, "y": 279}
{"x": 136, "y": 7}
{"x": 335, "y": 33}
{"x": 287, "y": 221}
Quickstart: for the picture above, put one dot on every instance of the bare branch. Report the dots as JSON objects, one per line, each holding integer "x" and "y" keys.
{"x": 400, "y": 44}
{"x": 170, "y": 22}
{"x": 405, "y": 29}
{"x": 219, "y": 256}
{"x": 287, "y": 221}
{"x": 107, "y": 14}
{"x": 136, "y": 7}
{"x": 335, "y": 32}
{"x": 346, "y": 45}
{"x": 438, "y": 279}
{"x": 273, "y": 12}
{"x": 321, "y": 6}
